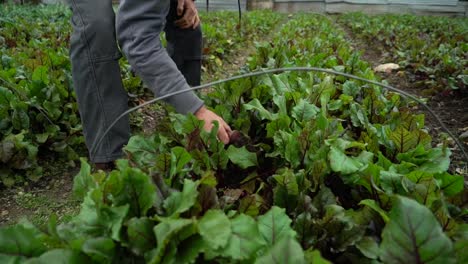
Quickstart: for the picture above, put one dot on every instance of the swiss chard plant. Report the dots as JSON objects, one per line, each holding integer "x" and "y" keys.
{"x": 38, "y": 112}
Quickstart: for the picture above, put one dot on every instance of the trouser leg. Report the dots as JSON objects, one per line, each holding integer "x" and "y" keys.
{"x": 96, "y": 77}
{"x": 184, "y": 46}
{"x": 139, "y": 23}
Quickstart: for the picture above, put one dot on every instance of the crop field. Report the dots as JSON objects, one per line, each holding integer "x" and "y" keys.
{"x": 324, "y": 168}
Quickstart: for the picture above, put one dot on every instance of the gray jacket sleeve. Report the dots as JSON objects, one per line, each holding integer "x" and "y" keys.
{"x": 139, "y": 24}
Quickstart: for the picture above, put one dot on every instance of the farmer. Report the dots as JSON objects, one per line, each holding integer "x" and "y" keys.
{"x": 96, "y": 73}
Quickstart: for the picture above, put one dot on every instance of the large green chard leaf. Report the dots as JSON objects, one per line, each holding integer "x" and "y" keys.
{"x": 165, "y": 232}
{"x": 403, "y": 139}
{"x": 369, "y": 247}
{"x": 275, "y": 225}
{"x": 279, "y": 83}
{"x": 242, "y": 157}
{"x": 143, "y": 151}
{"x": 425, "y": 192}
{"x": 100, "y": 249}
{"x": 286, "y": 190}
{"x": 245, "y": 239}
{"x": 179, "y": 158}
{"x": 351, "y": 88}
{"x": 59, "y": 256}
{"x": 340, "y": 162}
{"x": 392, "y": 182}
{"x": 41, "y": 74}
{"x": 281, "y": 123}
{"x": 304, "y": 111}
{"x": 413, "y": 235}
{"x": 285, "y": 250}
{"x": 358, "y": 116}
{"x": 450, "y": 184}
{"x": 185, "y": 124}
{"x": 140, "y": 235}
{"x": 137, "y": 189}
{"x": 94, "y": 220}
{"x": 215, "y": 229}
{"x": 179, "y": 202}
{"x": 341, "y": 227}
{"x": 374, "y": 206}
{"x": 436, "y": 160}
{"x": 257, "y": 106}
{"x": 281, "y": 101}
{"x": 21, "y": 240}
{"x": 287, "y": 146}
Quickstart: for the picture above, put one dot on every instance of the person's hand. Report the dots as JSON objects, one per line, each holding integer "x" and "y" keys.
{"x": 209, "y": 117}
{"x": 190, "y": 17}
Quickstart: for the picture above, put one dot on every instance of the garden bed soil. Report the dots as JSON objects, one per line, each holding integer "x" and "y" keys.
{"x": 35, "y": 202}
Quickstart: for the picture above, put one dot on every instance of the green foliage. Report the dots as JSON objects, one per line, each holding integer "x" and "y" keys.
{"x": 215, "y": 229}
{"x": 38, "y": 112}
{"x": 432, "y": 49}
{"x": 21, "y": 241}
{"x": 414, "y": 235}
{"x": 108, "y": 227}
{"x": 327, "y": 170}
{"x": 223, "y": 35}
{"x": 286, "y": 250}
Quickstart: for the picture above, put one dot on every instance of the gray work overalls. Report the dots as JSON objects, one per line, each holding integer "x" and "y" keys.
{"x": 94, "y": 55}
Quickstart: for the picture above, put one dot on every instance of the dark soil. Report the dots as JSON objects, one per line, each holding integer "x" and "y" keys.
{"x": 35, "y": 202}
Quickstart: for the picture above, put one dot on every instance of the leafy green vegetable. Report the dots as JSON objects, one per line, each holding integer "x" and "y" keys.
{"x": 21, "y": 240}
{"x": 413, "y": 234}
{"x": 179, "y": 202}
{"x": 83, "y": 180}
{"x": 439, "y": 67}
{"x": 285, "y": 250}
{"x": 242, "y": 157}
{"x": 215, "y": 228}
{"x": 59, "y": 256}
{"x": 316, "y": 172}
{"x": 275, "y": 226}
{"x": 140, "y": 238}
{"x": 245, "y": 239}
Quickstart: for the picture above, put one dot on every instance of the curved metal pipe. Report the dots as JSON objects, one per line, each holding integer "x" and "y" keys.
{"x": 279, "y": 70}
